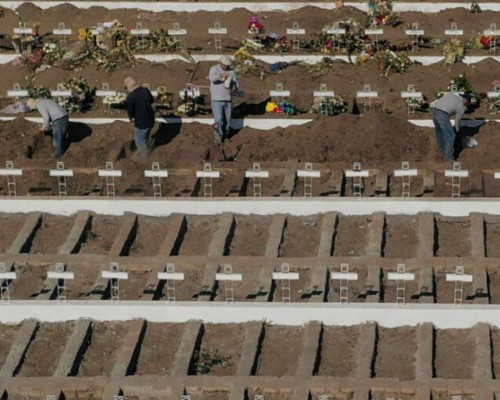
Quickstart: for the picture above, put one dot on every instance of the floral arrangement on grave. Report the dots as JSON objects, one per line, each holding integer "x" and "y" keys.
{"x": 255, "y": 27}
{"x": 164, "y": 98}
{"x": 418, "y": 103}
{"x": 353, "y": 41}
{"x": 30, "y": 61}
{"x": 390, "y": 61}
{"x": 474, "y": 8}
{"x": 320, "y": 68}
{"x": 52, "y": 53}
{"x": 462, "y": 85}
{"x": 329, "y": 105}
{"x": 82, "y": 95}
{"x": 284, "y": 107}
{"x": 380, "y": 13}
{"x": 34, "y": 91}
{"x": 494, "y": 102}
{"x": 113, "y": 101}
{"x": 26, "y": 43}
{"x": 453, "y": 52}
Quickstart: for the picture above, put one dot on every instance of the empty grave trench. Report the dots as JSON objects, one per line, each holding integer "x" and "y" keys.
{"x": 159, "y": 348}
{"x": 301, "y": 236}
{"x": 218, "y": 350}
{"x": 50, "y": 233}
{"x": 101, "y": 348}
{"x": 100, "y": 234}
{"x": 454, "y": 353}
{"x": 45, "y": 349}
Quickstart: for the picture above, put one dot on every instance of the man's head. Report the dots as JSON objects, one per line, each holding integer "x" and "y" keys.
{"x": 466, "y": 97}
{"x": 225, "y": 62}
{"x": 31, "y": 103}
{"x": 130, "y": 84}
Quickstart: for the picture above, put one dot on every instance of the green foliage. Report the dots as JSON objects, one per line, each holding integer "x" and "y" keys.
{"x": 206, "y": 360}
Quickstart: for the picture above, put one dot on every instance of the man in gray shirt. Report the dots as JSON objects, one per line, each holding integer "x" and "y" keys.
{"x": 55, "y": 114}
{"x": 451, "y": 104}
{"x": 222, "y": 83}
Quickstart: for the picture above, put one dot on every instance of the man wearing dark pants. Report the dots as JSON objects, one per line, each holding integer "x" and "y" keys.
{"x": 52, "y": 113}
{"x": 222, "y": 83}
{"x": 140, "y": 112}
{"x": 451, "y": 104}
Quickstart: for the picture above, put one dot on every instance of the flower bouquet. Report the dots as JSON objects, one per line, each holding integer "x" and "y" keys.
{"x": 329, "y": 105}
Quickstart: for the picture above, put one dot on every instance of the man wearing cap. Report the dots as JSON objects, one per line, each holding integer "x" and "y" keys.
{"x": 451, "y": 104}
{"x": 52, "y": 113}
{"x": 223, "y": 82}
{"x": 140, "y": 111}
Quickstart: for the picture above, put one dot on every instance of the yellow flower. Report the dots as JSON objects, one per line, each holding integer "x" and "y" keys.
{"x": 270, "y": 106}
{"x": 85, "y": 34}
{"x": 161, "y": 89}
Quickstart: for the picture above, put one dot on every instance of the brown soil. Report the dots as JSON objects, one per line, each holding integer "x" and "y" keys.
{"x": 148, "y": 229}
{"x": 103, "y": 348}
{"x": 7, "y": 336}
{"x": 157, "y": 354}
{"x": 454, "y": 352}
{"x": 396, "y": 353}
{"x": 200, "y": 231}
{"x": 304, "y": 241}
{"x": 101, "y": 235}
{"x": 401, "y": 236}
{"x": 29, "y": 282}
{"x": 380, "y": 138}
{"x": 348, "y": 228}
{"x": 224, "y": 341}
{"x": 453, "y": 234}
{"x": 286, "y": 345}
{"x": 250, "y": 236}
{"x": 51, "y": 234}
{"x": 44, "y": 351}
{"x": 11, "y": 226}
{"x": 338, "y": 351}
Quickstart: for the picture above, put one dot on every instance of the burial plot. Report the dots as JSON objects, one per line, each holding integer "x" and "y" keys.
{"x": 347, "y": 228}
{"x": 151, "y": 232}
{"x": 157, "y": 354}
{"x": 250, "y": 235}
{"x": 51, "y": 234}
{"x": 401, "y": 236}
{"x": 281, "y": 350}
{"x": 301, "y": 236}
{"x": 339, "y": 346}
{"x": 396, "y": 350}
{"x": 453, "y": 237}
{"x": 11, "y": 226}
{"x": 42, "y": 356}
{"x": 455, "y": 354}
{"x": 198, "y": 235}
{"x": 100, "y": 235}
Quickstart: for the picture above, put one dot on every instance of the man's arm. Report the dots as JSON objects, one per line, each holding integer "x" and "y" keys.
{"x": 214, "y": 76}
{"x": 46, "y": 117}
{"x": 458, "y": 116}
{"x": 130, "y": 107}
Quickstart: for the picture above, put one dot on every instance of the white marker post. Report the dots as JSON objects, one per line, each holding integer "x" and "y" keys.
{"x": 156, "y": 174}
{"x": 61, "y": 175}
{"x": 23, "y": 31}
{"x": 177, "y": 33}
{"x": 17, "y": 92}
{"x": 414, "y": 32}
{"x": 366, "y": 95}
{"x": 494, "y": 32}
{"x": 308, "y": 174}
{"x": 61, "y": 275}
{"x": 61, "y": 91}
{"x": 207, "y": 175}
{"x": 496, "y": 92}
{"x": 411, "y": 97}
{"x": 217, "y": 31}
{"x": 61, "y": 32}
{"x": 228, "y": 277}
{"x": 171, "y": 277}
{"x": 114, "y": 275}
{"x": 453, "y": 32}
{"x": 296, "y": 31}
{"x": 325, "y": 107}
{"x": 10, "y": 172}
{"x": 6, "y": 277}
{"x": 459, "y": 278}
{"x": 336, "y": 31}
{"x": 375, "y": 32}
{"x": 110, "y": 175}
{"x": 401, "y": 276}
{"x": 279, "y": 93}
{"x": 405, "y": 173}
{"x": 256, "y": 175}
{"x": 357, "y": 175}
{"x": 285, "y": 276}
{"x": 140, "y": 32}
{"x": 344, "y": 276}
{"x": 456, "y": 174}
